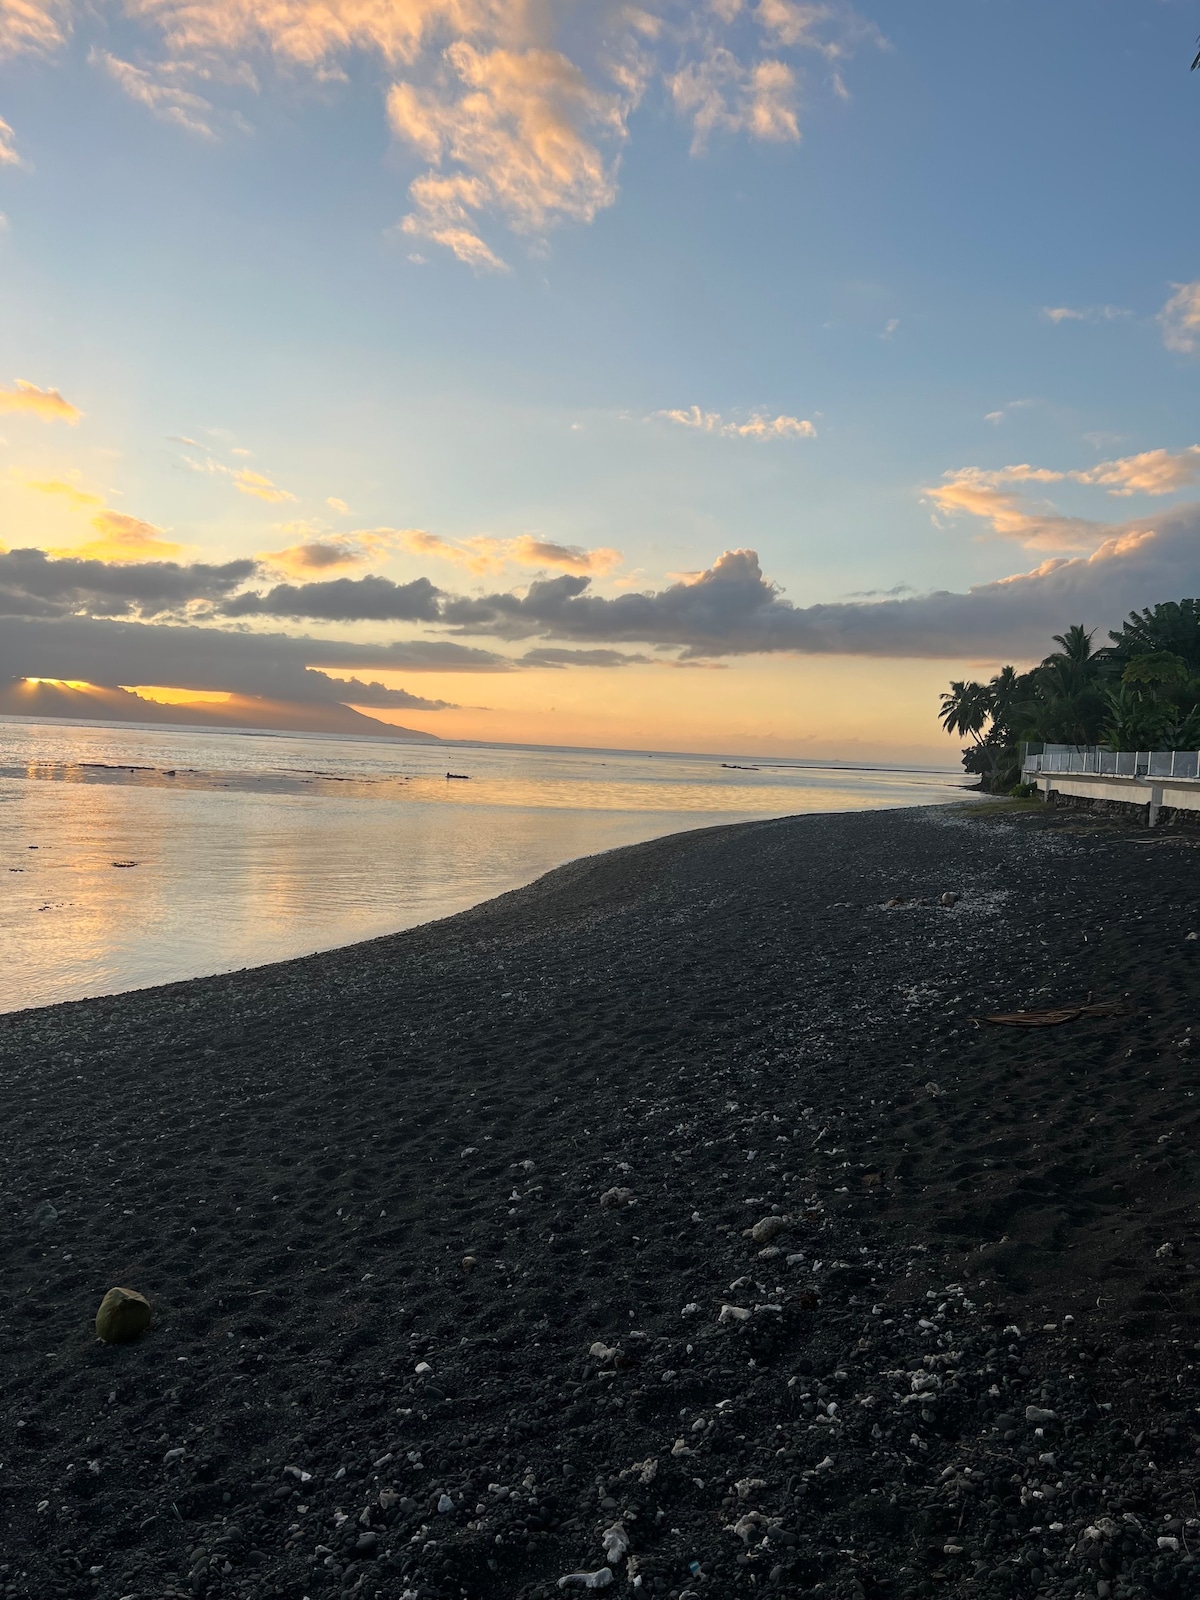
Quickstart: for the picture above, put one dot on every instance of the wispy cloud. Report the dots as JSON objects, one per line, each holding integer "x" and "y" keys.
{"x": 992, "y": 496}
{"x": 162, "y": 97}
{"x": 1180, "y": 317}
{"x": 65, "y": 488}
{"x": 758, "y": 426}
{"x": 33, "y": 26}
{"x": 509, "y": 132}
{"x": 485, "y": 555}
{"x": 1058, "y": 314}
{"x": 337, "y": 505}
{"x": 254, "y": 483}
{"x": 122, "y": 538}
{"x": 718, "y": 92}
{"x": 47, "y": 404}
{"x": 982, "y": 494}
{"x": 242, "y": 478}
{"x": 519, "y": 109}
{"x": 119, "y": 537}
{"x": 9, "y": 155}
{"x": 1151, "y": 472}
{"x": 334, "y": 552}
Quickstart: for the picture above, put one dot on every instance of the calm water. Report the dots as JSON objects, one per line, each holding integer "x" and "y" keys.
{"x": 133, "y": 856}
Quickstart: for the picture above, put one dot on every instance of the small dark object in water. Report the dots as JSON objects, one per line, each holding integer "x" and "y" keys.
{"x": 169, "y": 774}
{"x": 1054, "y": 1015}
{"x": 463, "y": 777}
{"x": 732, "y": 766}
{"x": 124, "y": 863}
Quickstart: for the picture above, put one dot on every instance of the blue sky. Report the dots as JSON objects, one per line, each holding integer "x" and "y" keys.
{"x": 872, "y": 258}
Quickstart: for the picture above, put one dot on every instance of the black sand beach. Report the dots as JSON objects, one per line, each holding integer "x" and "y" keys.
{"x": 440, "y": 1232}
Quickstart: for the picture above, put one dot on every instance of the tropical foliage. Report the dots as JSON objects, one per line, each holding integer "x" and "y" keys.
{"x": 1140, "y": 692}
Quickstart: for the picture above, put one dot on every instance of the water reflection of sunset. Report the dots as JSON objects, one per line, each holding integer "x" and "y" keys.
{"x": 236, "y": 850}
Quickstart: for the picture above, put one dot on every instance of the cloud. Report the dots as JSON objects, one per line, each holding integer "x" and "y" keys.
{"x": 317, "y": 33}
{"x": 732, "y": 609}
{"x": 1180, "y": 317}
{"x": 532, "y": 552}
{"x": 979, "y": 493}
{"x": 35, "y": 584}
{"x": 338, "y": 505}
{"x": 1058, "y": 314}
{"x": 254, "y": 483}
{"x": 986, "y": 494}
{"x": 727, "y": 610}
{"x": 551, "y": 656}
{"x": 367, "y": 599}
{"x": 244, "y": 480}
{"x": 1152, "y": 472}
{"x": 123, "y": 539}
{"x": 721, "y": 93}
{"x": 78, "y": 498}
{"x": 331, "y": 552}
{"x": 9, "y": 156}
{"x": 519, "y": 109}
{"x": 32, "y": 26}
{"x": 758, "y": 426}
{"x": 209, "y": 660}
{"x": 47, "y": 404}
{"x": 516, "y": 128}
{"x": 163, "y": 99}
{"x": 485, "y": 555}
{"x": 378, "y": 697}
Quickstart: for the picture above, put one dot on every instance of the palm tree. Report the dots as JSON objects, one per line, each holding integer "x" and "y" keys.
{"x": 966, "y": 708}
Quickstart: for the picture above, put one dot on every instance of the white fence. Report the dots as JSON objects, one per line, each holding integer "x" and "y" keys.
{"x": 1069, "y": 758}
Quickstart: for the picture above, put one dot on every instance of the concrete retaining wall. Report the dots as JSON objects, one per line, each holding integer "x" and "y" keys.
{"x": 1156, "y": 800}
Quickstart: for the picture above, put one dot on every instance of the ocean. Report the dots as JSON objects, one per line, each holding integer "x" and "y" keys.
{"x": 136, "y": 856}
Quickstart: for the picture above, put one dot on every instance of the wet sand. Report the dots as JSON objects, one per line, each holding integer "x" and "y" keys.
{"x": 961, "y": 1355}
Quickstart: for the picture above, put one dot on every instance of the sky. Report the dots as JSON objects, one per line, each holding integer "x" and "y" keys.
{"x": 724, "y": 375}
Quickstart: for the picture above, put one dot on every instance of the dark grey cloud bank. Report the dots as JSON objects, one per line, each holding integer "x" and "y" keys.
{"x": 729, "y": 610}
{"x": 732, "y": 609}
{"x": 32, "y": 584}
{"x": 274, "y": 666}
{"x": 367, "y": 599}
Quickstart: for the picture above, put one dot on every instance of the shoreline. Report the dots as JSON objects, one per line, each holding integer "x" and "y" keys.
{"x": 715, "y": 1030}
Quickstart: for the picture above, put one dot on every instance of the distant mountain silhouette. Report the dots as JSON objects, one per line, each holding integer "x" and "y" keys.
{"x": 100, "y": 703}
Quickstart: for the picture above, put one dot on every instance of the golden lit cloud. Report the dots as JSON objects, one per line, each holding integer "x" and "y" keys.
{"x": 335, "y": 552}
{"x": 514, "y": 125}
{"x": 81, "y": 499}
{"x": 530, "y": 552}
{"x": 338, "y": 505}
{"x": 123, "y": 538}
{"x": 758, "y": 426}
{"x": 47, "y": 404}
{"x": 1151, "y": 472}
{"x": 119, "y": 538}
{"x": 980, "y": 494}
{"x": 510, "y": 126}
{"x": 990, "y": 496}
{"x": 314, "y": 32}
{"x": 484, "y": 555}
{"x": 261, "y": 488}
{"x": 32, "y": 25}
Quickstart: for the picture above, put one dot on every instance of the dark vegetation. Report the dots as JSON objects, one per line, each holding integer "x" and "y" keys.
{"x": 1141, "y": 692}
